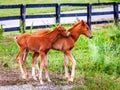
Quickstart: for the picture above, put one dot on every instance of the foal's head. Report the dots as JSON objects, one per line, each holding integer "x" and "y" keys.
{"x": 62, "y": 31}
{"x": 85, "y": 29}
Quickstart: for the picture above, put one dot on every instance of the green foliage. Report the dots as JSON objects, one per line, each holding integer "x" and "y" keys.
{"x": 7, "y": 54}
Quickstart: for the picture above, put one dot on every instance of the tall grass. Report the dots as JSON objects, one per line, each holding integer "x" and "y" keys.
{"x": 1, "y": 31}
{"x": 8, "y": 49}
{"x": 100, "y": 60}
{"x": 102, "y": 52}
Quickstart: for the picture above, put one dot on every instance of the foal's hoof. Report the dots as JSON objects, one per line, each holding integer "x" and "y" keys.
{"x": 49, "y": 81}
{"x": 41, "y": 82}
{"x": 70, "y": 80}
{"x": 66, "y": 78}
{"x": 24, "y": 77}
{"x": 34, "y": 78}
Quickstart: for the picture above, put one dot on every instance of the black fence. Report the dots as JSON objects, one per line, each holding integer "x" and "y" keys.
{"x": 58, "y": 15}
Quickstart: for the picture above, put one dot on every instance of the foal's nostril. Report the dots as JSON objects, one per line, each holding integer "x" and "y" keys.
{"x": 91, "y": 37}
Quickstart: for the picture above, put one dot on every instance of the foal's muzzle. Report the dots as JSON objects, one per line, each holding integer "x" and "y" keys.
{"x": 90, "y": 36}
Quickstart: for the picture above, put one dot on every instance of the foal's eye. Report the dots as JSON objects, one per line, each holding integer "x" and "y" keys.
{"x": 88, "y": 28}
{"x": 63, "y": 30}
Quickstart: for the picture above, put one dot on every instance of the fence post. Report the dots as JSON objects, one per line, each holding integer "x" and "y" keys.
{"x": 116, "y": 14}
{"x": 57, "y": 13}
{"x": 89, "y": 13}
{"x": 22, "y": 18}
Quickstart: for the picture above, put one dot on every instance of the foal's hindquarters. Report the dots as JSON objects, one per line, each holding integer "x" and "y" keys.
{"x": 21, "y": 41}
{"x": 21, "y": 56}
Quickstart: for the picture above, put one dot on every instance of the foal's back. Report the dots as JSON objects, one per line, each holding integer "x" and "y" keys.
{"x": 61, "y": 43}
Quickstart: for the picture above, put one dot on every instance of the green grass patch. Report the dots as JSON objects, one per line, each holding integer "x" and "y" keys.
{"x": 51, "y": 1}
{"x": 103, "y": 82}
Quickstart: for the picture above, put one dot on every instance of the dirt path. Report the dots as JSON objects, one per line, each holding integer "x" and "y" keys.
{"x": 11, "y": 80}
{"x": 31, "y": 87}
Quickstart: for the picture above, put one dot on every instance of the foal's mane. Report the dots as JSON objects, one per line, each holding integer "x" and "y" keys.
{"x": 74, "y": 25}
{"x": 50, "y": 32}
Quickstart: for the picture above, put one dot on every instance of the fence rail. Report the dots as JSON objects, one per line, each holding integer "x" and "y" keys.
{"x": 58, "y": 15}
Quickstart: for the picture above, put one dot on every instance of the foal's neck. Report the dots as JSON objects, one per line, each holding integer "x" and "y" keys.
{"x": 75, "y": 32}
{"x": 52, "y": 36}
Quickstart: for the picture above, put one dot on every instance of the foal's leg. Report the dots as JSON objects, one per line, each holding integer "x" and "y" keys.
{"x": 34, "y": 65}
{"x": 42, "y": 61}
{"x": 21, "y": 69}
{"x": 66, "y": 67}
{"x": 24, "y": 62}
{"x": 73, "y": 65}
{"x": 37, "y": 66}
{"x": 46, "y": 69}
{"x": 20, "y": 62}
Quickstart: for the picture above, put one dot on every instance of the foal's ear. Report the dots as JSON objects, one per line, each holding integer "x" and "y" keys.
{"x": 83, "y": 23}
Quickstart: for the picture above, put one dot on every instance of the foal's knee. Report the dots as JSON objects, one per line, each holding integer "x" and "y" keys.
{"x": 46, "y": 66}
{"x": 17, "y": 59}
{"x": 66, "y": 63}
{"x": 74, "y": 63}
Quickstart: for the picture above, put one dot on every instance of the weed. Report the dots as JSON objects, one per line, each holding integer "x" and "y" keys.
{"x": 31, "y": 28}
{"x": 22, "y": 27}
{"x": 1, "y": 31}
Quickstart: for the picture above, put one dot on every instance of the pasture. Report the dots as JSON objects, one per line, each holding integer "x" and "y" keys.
{"x": 98, "y": 59}
{"x": 31, "y": 11}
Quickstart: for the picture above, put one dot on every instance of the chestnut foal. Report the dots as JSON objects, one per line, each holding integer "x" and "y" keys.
{"x": 66, "y": 44}
{"x": 40, "y": 45}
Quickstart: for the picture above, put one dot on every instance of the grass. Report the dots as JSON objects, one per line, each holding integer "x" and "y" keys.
{"x": 98, "y": 59}
{"x": 51, "y": 1}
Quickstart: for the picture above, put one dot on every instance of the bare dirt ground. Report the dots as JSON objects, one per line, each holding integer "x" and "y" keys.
{"x": 11, "y": 80}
